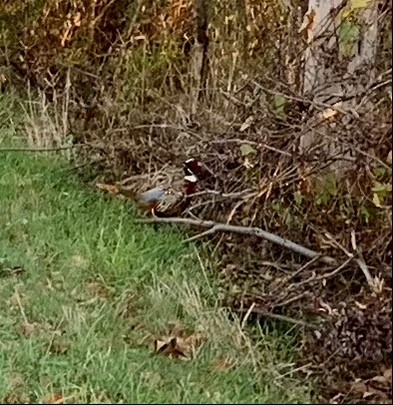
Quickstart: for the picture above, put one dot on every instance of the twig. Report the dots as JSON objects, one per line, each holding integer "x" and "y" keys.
{"x": 297, "y": 272}
{"x": 242, "y": 193}
{"x": 266, "y": 314}
{"x": 360, "y": 261}
{"x": 314, "y": 103}
{"x": 334, "y": 272}
{"x": 260, "y": 144}
{"x": 292, "y": 299}
{"x": 313, "y": 278}
{"x": 220, "y": 227}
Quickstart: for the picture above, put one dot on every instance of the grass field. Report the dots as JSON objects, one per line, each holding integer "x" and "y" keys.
{"x": 85, "y": 291}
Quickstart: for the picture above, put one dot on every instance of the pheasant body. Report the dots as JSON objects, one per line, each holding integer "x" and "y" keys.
{"x": 162, "y": 201}
{"x": 167, "y": 202}
{"x": 152, "y": 196}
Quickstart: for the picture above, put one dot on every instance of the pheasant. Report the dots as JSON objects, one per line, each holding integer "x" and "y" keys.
{"x": 163, "y": 201}
{"x": 167, "y": 202}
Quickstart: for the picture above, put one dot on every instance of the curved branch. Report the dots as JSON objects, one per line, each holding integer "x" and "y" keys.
{"x": 213, "y": 227}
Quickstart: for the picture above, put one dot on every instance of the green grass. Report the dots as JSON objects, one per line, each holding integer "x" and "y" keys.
{"x": 99, "y": 288}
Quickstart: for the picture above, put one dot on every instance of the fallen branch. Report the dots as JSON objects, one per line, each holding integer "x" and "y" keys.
{"x": 213, "y": 227}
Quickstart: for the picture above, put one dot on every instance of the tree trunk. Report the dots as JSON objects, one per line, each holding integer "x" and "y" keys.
{"x": 323, "y": 58}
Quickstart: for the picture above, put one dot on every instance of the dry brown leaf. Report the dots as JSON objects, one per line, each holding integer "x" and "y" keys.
{"x": 110, "y": 188}
{"x": 379, "y": 379}
{"x": 360, "y": 305}
{"x": 247, "y": 163}
{"x": 28, "y": 328}
{"x": 246, "y": 124}
{"x": 178, "y": 344}
{"x": 308, "y": 25}
{"x": 359, "y": 387}
{"x": 384, "y": 381}
{"x": 169, "y": 348}
{"x": 388, "y": 375}
{"x": 55, "y": 399}
{"x": 389, "y": 158}
{"x": 328, "y": 113}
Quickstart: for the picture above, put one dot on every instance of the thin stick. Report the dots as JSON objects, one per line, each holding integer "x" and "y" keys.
{"x": 360, "y": 261}
{"x": 220, "y": 227}
{"x": 291, "y": 300}
{"x": 297, "y": 272}
{"x": 334, "y": 272}
{"x": 279, "y": 317}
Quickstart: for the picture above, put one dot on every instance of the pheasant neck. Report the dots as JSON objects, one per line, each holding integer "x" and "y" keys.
{"x": 190, "y": 188}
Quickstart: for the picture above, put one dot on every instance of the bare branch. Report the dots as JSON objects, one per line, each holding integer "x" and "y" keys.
{"x": 360, "y": 261}
{"x": 220, "y": 227}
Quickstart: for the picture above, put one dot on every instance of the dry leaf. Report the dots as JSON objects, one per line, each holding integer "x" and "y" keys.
{"x": 247, "y": 163}
{"x": 359, "y": 387}
{"x": 388, "y": 375}
{"x": 246, "y": 124}
{"x": 376, "y": 200}
{"x": 55, "y": 399}
{"x": 385, "y": 380}
{"x": 389, "y": 158}
{"x": 178, "y": 344}
{"x": 247, "y": 149}
{"x": 379, "y": 379}
{"x": 308, "y": 25}
{"x": 360, "y": 305}
{"x": 110, "y": 188}
{"x": 360, "y": 3}
{"x": 169, "y": 348}
{"x": 29, "y": 328}
{"x": 328, "y": 113}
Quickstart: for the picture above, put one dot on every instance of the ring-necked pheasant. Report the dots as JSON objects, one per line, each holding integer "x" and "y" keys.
{"x": 167, "y": 202}
{"x": 164, "y": 201}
